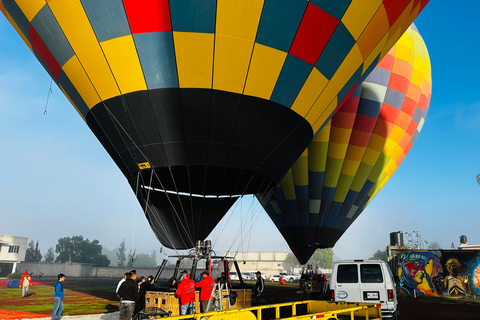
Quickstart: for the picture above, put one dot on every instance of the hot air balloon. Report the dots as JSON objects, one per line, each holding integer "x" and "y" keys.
{"x": 200, "y": 101}
{"x": 356, "y": 153}
{"x": 478, "y": 178}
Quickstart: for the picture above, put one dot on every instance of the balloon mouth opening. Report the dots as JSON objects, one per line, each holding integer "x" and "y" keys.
{"x": 202, "y": 181}
{"x": 181, "y": 193}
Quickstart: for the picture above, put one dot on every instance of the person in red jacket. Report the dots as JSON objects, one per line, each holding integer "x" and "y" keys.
{"x": 186, "y": 293}
{"x": 25, "y": 282}
{"x": 206, "y": 286}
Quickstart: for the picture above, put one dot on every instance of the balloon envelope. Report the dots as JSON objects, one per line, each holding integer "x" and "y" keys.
{"x": 199, "y": 101}
{"x": 356, "y": 153}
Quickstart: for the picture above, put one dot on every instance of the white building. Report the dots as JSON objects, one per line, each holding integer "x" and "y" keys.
{"x": 12, "y": 251}
{"x": 268, "y": 262}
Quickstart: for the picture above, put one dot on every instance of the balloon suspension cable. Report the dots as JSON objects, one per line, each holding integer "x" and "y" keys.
{"x": 183, "y": 226}
{"x": 48, "y": 96}
{"x": 250, "y": 220}
{"x": 145, "y": 156}
{"x": 160, "y": 223}
{"x": 147, "y": 208}
{"x": 134, "y": 218}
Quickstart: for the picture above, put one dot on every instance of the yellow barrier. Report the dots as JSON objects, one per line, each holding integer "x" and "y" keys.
{"x": 307, "y": 309}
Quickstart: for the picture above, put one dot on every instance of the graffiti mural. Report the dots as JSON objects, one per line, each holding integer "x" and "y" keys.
{"x": 416, "y": 271}
{"x": 439, "y": 272}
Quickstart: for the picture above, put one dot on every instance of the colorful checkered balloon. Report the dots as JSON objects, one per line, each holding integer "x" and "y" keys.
{"x": 356, "y": 153}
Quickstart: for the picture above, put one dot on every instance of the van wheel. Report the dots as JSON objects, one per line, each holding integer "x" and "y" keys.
{"x": 397, "y": 315}
{"x": 290, "y": 280}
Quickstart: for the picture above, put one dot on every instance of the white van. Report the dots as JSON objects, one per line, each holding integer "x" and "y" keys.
{"x": 365, "y": 281}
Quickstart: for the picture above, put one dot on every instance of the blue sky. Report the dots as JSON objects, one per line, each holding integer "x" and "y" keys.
{"x": 58, "y": 181}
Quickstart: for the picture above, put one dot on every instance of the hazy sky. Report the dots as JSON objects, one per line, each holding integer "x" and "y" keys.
{"x": 58, "y": 181}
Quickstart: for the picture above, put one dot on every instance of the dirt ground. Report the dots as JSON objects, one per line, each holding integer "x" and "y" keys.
{"x": 425, "y": 308}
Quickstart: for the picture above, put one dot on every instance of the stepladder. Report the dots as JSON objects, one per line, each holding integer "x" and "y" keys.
{"x": 216, "y": 297}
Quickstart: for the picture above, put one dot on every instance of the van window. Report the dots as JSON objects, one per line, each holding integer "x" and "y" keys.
{"x": 347, "y": 273}
{"x": 371, "y": 273}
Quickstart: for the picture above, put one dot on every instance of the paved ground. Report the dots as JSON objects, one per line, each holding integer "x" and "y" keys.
{"x": 101, "y": 316}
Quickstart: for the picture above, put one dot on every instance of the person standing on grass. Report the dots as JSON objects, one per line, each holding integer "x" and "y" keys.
{"x": 259, "y": 288}
{"x": 58, "y": 297}
{"x": 25, "y": 282}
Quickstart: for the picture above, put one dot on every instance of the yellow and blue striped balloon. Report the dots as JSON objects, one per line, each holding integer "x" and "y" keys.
{"x": 200, "y": 101}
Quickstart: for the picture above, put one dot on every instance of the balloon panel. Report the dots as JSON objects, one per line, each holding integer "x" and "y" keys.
{"x": 207, "y": 97}
{"x": 354, "y": 155}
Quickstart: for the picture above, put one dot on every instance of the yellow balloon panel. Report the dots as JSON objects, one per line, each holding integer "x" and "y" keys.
{"x": 194, "y": 53}
{"x": 265, "y": 67}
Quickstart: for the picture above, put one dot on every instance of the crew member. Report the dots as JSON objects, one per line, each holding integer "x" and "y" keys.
{"x": 142, "y": 292}
{"x": 128, "y": 292}
{"x": 186, "y": 293}
{"x": 259, "y": 288}
{"x": 206, "y": 286}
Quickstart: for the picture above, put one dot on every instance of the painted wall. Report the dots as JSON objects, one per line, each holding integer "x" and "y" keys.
{"x": 438, "y": 272}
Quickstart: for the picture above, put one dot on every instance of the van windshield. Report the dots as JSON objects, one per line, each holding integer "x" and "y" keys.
{"x": 371, "y": 273}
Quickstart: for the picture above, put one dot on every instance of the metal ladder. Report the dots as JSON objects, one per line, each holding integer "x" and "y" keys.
{"x": 216, "y": 295}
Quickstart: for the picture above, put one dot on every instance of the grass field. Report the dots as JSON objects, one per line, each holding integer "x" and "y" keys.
{"x": 82, "y": 296}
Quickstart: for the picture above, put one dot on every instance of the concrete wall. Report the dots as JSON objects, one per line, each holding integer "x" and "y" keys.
{"x": 80, "y": 270}
{"x": 267, "y": 262}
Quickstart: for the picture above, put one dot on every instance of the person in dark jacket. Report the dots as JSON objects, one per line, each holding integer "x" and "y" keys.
{"x": 128, "y": 292}
{"x": 259, "y": 288}
{"x": 144, "y": 287}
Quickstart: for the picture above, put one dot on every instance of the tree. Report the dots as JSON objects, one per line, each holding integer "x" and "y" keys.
{"x": 131, "y": 258}
{"x": 434, "y": 245}
{"x": 33, "y": 253}
{"x": 290, "y": 262}
{"x": 76, "y": 249}
{"x": 154, "y": 257}
{"x": 415, "y": 240}
{"x": 322, "y": 258}
{"x": 380, "y": 255}
{"x": 111, "y": 255}
{"x": 37, "y": 255}
{"x": 143, "y": 260}
{"x": 101, "y": 260}
{"x": 49, "y": 256}
{"x": 121, "y": 257}
{"x": 30, "y": 253}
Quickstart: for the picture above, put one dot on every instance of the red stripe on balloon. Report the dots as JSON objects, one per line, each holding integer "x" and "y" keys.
{"x": 44, "y": 54}
{"x": 313, "y": 34}
{"x": 148, "y": 15}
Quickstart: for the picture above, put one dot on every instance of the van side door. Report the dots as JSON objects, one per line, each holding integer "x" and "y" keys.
{"x": 372, "y": 283}
{"x": 347, "y": 286}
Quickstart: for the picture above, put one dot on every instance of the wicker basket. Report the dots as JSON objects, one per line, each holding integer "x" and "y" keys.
{"x": 168, "y": 302}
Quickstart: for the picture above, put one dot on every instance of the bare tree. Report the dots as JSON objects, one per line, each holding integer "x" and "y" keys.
{"x": 416, "y": 241}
